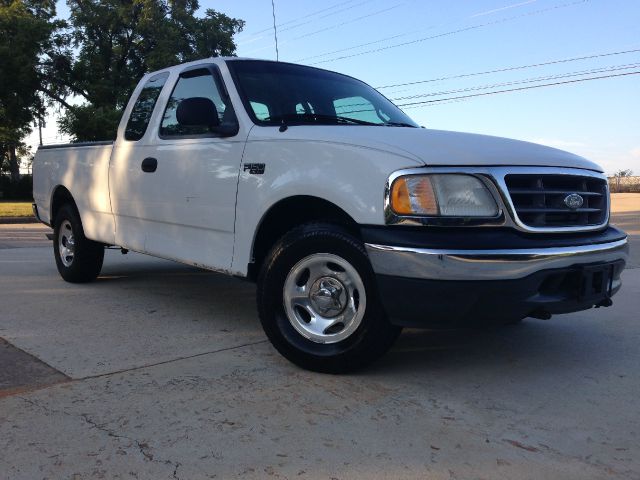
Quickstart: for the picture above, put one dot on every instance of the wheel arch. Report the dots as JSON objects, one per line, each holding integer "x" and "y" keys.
{"x": 287, "y": 214}
{"x": 60, "y": 196}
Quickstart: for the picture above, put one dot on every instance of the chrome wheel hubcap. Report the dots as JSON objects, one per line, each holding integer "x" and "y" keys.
{"x": 328, "y": 296}
{"x": 66, "y": 243}
{"x": 324, "y": 298}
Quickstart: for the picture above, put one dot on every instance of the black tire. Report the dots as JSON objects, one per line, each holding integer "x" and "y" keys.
{"x": 373, "y": 336}
{"x": 86, "y": 262}
{"x": 513, "y": 322}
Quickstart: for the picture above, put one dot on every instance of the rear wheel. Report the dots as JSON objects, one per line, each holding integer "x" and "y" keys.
{"x": 318, "y": 301}
{"x": 78, "y": 259}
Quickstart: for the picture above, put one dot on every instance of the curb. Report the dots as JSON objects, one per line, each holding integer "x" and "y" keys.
{"x": 18, "y": 220}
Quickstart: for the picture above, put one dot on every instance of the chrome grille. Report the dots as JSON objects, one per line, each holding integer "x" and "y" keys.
{"x": 539, "y": 199}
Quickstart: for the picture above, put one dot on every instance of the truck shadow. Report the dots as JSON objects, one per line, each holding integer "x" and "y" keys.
{"x": 566, "y": 342}
{"x": 222, "y": 302}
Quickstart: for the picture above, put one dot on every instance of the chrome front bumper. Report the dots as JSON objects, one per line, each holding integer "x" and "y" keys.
{"x": 503, "y": 264}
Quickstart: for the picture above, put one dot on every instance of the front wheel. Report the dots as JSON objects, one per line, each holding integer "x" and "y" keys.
{"x": 78, "y": 259}
{"x": 318, "y": 301}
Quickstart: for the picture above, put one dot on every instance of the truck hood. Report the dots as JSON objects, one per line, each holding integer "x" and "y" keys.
{"x": 439, "y": 147}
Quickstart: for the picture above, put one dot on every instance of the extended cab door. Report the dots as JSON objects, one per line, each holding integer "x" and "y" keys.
{"x": 173, "y": 190}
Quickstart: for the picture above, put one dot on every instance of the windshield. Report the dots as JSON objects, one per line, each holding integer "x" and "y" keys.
{"x": 274, "y": 93}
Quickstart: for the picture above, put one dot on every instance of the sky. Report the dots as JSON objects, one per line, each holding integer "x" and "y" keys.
{"x": 390, "y": 42}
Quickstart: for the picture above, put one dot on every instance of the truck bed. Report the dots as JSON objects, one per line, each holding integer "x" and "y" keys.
{"x": 81, "y": 169}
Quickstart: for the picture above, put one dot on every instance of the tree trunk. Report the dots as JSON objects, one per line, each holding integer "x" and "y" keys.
{"x": 14, "y": 164}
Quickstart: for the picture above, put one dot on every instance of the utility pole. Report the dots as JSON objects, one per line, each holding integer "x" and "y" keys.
{"x": 40, "y": 120}
{"x": 275, "y": 28}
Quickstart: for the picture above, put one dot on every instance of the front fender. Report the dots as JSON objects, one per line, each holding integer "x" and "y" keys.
{"x": 351, "y": 177}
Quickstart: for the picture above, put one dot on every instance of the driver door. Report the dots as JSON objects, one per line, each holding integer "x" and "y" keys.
{"x": 174, "y": 192}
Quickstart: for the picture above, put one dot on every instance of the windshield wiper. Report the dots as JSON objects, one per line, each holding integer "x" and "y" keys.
{"x": 318, "y": 118}
{"x": 338, "y": 118}
{"x": 399, "y": 124}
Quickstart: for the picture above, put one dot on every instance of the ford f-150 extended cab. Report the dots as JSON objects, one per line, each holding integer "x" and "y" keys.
{"x": 353, "y": 220}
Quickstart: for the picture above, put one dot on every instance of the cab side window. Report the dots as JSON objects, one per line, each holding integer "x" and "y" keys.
{"x": 143, "y": 108}
{"x": 197, "y": 108}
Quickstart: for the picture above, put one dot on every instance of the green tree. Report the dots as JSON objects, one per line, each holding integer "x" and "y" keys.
{"x": 118, "y": 41}
{"x": 618, "y": 176}
{"x": 29, "y": 42}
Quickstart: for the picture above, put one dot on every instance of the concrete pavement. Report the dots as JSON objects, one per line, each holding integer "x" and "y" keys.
{"x": 23, "y": 235}
{"x": 625, "y": 209}
{"x": 140, "y": 311}
{"x": 551, "y": 399}
{"x": 168, "y": 375}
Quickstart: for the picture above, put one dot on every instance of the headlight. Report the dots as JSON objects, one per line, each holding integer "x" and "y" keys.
{"x": 451, "y": 195}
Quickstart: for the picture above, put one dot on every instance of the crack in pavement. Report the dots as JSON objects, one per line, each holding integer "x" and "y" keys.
{"x": 67, "y": 379}
{"x": 142, "y": 446}
{"x": 46, "y": 409}
{"x": 164, "y": 362}
{"x": 175, "y": 470}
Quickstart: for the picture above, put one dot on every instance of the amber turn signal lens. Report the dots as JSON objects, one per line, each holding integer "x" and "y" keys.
{"x": 400, "y": 202}
{"x": 413, "y": 195}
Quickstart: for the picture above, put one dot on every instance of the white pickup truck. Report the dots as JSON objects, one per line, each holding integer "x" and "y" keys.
{"x": 353, "y": 220}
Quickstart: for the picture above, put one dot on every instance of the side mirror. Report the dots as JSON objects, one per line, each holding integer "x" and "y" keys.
{"x": 197, "y": 111}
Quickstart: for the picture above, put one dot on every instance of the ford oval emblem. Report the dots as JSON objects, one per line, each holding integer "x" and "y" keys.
{"x": 573, "y": 201}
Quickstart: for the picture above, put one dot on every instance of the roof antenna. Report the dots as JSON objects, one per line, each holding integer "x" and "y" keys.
{"x": 275, "y": 29}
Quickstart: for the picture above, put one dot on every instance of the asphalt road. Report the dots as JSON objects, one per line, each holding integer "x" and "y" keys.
{"x": 158, "y": 371}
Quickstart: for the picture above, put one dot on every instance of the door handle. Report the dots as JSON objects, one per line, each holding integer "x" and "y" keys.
{"x": 149, "y": 165}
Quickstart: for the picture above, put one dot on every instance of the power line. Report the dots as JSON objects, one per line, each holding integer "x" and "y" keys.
{"x": 333, "y": 26}
{"x": 404, "y": 34}
{"x": 508, "y": 69}
{"x": 353, "y": 48}
{"x": 461, "y": 30}
{"x": 613, "y": 68}
{"x": 312, "y": 14}
{"x": 330, "y": 14}
{"x": 425, "y": 103}
{"x": 500, "y": 9}
{"x": 356, "y": 19}
{"x": 300, "y": 24}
